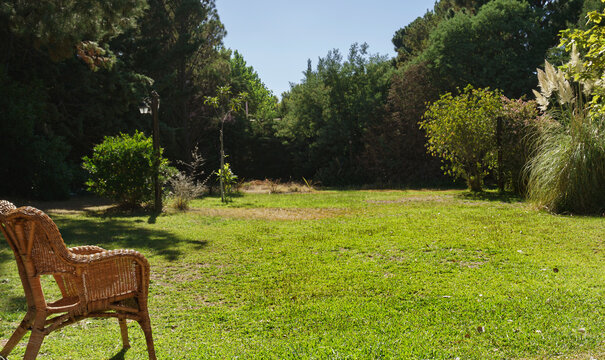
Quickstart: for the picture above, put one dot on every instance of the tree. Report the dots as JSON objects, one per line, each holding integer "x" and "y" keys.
{"x": 178, "y": 44}
{"x": 505, "y": 39}
{"x": 395, "y": 149}
{"x": 58, "y": 26}
{"x": 226, "y": 106}
{"x": 461, "y": 131}
{"x": 250, "y": 139}
{"x": 47, "y": 51}
{"x": 328, "y": 114}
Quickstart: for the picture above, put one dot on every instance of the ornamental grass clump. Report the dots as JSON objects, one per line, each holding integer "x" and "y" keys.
{"x": 567, "y": 173}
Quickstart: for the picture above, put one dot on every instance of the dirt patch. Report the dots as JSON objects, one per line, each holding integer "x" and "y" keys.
{"x": 270, "y": 213}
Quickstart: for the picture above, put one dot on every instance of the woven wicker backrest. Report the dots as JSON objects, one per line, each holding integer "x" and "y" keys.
{"x": 35, "y": 239}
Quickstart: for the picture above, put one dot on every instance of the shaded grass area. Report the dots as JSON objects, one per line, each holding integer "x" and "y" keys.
{"x": 384, "y": 274}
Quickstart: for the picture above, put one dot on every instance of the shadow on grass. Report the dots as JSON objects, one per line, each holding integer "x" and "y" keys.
{"x": 14, "y": 303}
{"x": 114, "y": 230}
{"x": 5, "y": 255}
{"x": 120, "y": 355}
{"x": 491, "y": 196}
{"x": 120, "y": 233}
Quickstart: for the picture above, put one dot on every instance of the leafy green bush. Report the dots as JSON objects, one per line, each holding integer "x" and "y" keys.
{"x": 122, "y": 168}
{"x": 460, "y": 130}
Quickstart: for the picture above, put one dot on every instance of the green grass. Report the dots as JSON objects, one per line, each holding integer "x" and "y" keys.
{"x": 354, "y": 274}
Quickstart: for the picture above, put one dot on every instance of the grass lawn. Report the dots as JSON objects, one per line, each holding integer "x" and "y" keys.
{"x": 345, "y": 274}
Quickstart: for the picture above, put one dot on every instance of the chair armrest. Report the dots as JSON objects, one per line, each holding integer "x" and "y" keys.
{"x": 86, "y": 250}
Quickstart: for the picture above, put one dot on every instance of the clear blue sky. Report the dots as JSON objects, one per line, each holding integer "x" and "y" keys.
{"x": 277, "y": 37}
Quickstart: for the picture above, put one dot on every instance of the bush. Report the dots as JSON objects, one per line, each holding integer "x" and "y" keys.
{"x": 122, "y": 168}
{"x": 184, "y": 185}
{"x": 184, "y": 189}
{"x": 460, "y": 130}
{"x": 521, "y": 126}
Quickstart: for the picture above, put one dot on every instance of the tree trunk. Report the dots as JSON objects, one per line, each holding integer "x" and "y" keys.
{"x": 222, "y": 170}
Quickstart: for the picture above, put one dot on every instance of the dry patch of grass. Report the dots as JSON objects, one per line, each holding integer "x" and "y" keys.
{"x": 270, "y": 213}
{"x": 268, "y": 186}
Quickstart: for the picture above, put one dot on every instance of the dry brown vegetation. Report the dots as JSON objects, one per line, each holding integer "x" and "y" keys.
{"x": 268, "y": 186}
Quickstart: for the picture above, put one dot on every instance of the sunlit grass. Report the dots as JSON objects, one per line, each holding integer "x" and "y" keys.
{"x": 347, "y": 274}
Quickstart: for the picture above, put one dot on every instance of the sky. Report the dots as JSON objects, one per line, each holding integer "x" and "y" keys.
{"x": 276, "y": 37}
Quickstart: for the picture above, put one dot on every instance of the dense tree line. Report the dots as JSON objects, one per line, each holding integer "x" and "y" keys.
{"x": 69, "y": 79}
{"x": 496, "y": 44}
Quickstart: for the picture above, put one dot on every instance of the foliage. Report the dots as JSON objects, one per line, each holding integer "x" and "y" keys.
{"x": 228, "y": 179}
{"x": 122, "y": 168}
{"x": 250, "y": 138}
{"x": 58, "y": 26}
{"x": 178, "y": 44}
{"x": 521, "y": 126}
{"x": 326, "y": 116}
{"x": 590, "y": 70}
{"x": 395, "y": 149}
{"x": 34, "y": 162}
{"x": 505, "y": 39}
{"x": 461, "y": 131}
{"x": 568, "y": 173}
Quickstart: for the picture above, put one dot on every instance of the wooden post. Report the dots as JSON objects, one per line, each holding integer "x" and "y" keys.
{"x": 155, "y": 105}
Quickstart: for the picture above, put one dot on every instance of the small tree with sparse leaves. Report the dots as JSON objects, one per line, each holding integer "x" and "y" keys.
{"x": 225, "y": 105}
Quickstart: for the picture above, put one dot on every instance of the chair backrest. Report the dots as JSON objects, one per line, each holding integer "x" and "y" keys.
{"x": 37, "y": 244}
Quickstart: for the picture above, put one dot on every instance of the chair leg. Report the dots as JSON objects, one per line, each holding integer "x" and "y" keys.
{"x": 37, "y": 336}
{"x": 146, "y": 326}
{"x": 17, "y": 335}
{"x": 33, "y": 346}
{"x": 124, "y": 330}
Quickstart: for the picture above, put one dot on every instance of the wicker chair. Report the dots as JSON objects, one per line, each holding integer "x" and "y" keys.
{"x": 93, "y": 282}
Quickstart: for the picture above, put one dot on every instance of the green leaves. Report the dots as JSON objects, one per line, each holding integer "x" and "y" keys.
{"x": 122, "y": 168}
{"x": 57, "y": 26}
{"x": 500, "y": 47}
{"x": 461, "y": 131}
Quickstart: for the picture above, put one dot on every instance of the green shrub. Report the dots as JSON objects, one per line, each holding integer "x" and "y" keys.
{"x": 461, "y": 131}
{"x": 122, "y": 167}
{"x": 229, "y": 179}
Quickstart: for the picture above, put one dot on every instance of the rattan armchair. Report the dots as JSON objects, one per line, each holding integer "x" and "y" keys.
{"x": 93, "y": 282}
